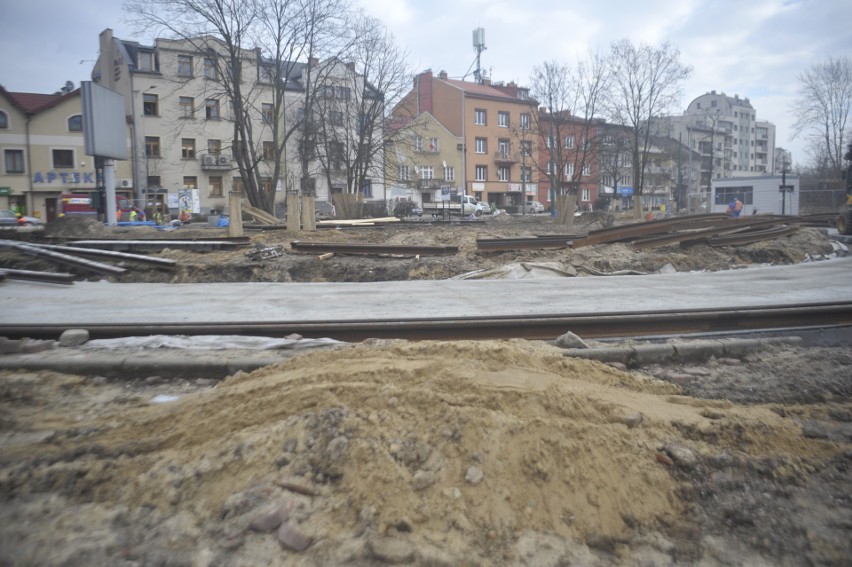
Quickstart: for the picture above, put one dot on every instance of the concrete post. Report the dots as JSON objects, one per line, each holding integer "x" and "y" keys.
{"x": 235, "y": 207}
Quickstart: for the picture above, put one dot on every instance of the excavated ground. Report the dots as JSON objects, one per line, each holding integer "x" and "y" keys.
{"x": 434, "y": 453}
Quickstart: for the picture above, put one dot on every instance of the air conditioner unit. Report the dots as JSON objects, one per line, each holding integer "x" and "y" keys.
{"x": 126, "y": 183}
{"x": 224, "y": 160}
{"x": 209, "y": 160}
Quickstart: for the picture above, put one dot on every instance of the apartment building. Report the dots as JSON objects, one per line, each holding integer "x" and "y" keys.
{"x": 181, "y": 122}
{"x": 41, "y": 140}
{"x": 725, "y": 131}
{"x": 494, "y": 121}
{"x": 568, "y": 158}
{"x": 426, "y": 160}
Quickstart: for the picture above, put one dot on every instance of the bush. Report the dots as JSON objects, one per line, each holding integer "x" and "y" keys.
{"x": 404, "y": 209}
{"x": 375, "y": 209}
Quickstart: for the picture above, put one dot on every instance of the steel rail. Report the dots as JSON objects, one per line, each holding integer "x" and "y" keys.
{"x": 397, "y": 249}
{"x": 155, "y": 245}
{"x": 524, "y": 243}
{"x": 540, "y": 327}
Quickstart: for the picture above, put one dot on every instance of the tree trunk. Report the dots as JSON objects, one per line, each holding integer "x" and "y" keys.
{"x": 565, "y": 205}
{"x": 348, "y": 206}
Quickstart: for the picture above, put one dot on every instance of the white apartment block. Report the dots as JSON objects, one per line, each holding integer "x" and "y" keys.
{"x": 180, "y": 120}
{"x": 726, "y": 133}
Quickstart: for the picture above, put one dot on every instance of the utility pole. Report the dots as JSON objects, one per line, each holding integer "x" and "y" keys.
{"x": 784, "y": 188}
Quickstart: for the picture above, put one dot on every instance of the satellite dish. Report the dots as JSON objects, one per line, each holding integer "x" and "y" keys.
{"x": 69, "y": 86}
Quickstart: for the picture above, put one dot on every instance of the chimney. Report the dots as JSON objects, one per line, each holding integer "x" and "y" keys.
{"x": 486, "y": 81}
{"x": 313, "y": 61}
{"x": 351, "y": 66}
{"x": 442, "y": 74}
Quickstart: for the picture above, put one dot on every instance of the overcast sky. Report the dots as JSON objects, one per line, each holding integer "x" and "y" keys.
{"x": 753, "y": 48}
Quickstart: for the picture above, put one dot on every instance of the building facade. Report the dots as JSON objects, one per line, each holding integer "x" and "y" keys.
{"x": 726, "y": 133}
{"x": 41, "y": 141}
{"x": 181, "y": 122}
{"x": 494, "y": 121}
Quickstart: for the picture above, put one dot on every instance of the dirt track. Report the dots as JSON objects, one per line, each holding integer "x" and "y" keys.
{"x": 467, "y": 453}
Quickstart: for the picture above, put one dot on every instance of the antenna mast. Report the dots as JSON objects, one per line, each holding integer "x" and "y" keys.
{"x": 479, "y": 47}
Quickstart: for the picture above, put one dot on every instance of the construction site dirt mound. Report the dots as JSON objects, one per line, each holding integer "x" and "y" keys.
{"x": 429, "y": 453}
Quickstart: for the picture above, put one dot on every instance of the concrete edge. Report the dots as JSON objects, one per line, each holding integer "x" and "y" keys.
{"x": 634, "y": 356}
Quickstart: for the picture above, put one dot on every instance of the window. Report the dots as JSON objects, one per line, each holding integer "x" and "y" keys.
{"x": 154, "y": 181}
{"x": 237, "y": 149}
{"x": 418, "y": 144}
{"x": 4, "y": 120}
{"x": 63, "y": 159}
{"x": 479, "y": 117}
{"x": 433, "y": 144}
{"x": 152, "y": 146}
{"x": 587, "y": 195}
{"x": 548, "y": 142}
{"x": 210, "y": 68}
{"x": 343, "y": 93}
{"x": 587, "y": 169}
{"x": 503, "y": 173}
{"x": 698, "y": 106}
{"x": 525, "y": 121}
{"x": 336, "y": 118}
{"x": 14, "y": 161}
{"x": 215, "y": 186}
{"x": 214, "y": 147}
{"x": 367, "y": 188}
{"x": 211, "y": 109}
{"x": 569, "y": 142}
{"x": 735, "y": 114}
{"x": 503, "y": 148}
{"x": 268, "y": 151}
{"x": 569, "y": 171}
{"x": 190, "y": 182}
{"x": 186, "y": 106}
{"x": 713, "y": 104}
{"x": 146, "y": 61}
{"x": 503, "y": 119}
{"x": 150, "y": 105}
{"x": 449, "y": 173}
{"x": 265, "y": 73}
{"x": 482, "y": 173}
{"x": 481, "y": 145}
{"x": 75, "y": 123}
{"x": 187, "y": 148}
{"x": 266, "y": 113}
{"x": 550, "y": 167}
{"x": 427, "y": 172}
{"x": 526, "y": 174}
{"x": 526, "y": 147}
{"x": 184, "y": 66}
{"x": 403, "y": 173}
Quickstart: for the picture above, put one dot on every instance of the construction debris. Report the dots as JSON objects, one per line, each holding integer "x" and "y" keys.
{"x": 266, "y": 253}
{"x": 378, "y": 249}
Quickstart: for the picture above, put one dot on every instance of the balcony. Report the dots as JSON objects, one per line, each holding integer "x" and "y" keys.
{"x": 506, "y": 157}
{"x": 213, "y": 162}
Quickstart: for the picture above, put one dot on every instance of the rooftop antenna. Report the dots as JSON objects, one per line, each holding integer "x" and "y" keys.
{"x": 479, "y": 47}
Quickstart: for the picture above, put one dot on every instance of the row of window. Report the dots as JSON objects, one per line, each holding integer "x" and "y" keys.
{"x": 480, "y": 118}
{"x": 425, "y": 172}
{"x": 214, "y": 147}
{"x": 13, "y": 160}
{"x": 74, "y": 123}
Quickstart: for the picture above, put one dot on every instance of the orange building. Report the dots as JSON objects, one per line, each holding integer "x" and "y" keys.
{"x": 495, "y": 121}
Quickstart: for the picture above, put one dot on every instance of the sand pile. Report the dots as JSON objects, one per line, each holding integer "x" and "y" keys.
{"x": 467, "y": 453}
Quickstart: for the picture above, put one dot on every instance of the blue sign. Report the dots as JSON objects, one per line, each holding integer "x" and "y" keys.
{"x": 625, "y": 191}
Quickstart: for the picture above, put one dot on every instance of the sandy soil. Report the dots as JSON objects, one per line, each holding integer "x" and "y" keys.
{"x": 432, "y": 453}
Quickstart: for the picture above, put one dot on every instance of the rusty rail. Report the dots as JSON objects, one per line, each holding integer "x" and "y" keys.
{"x": 378, "y": 249}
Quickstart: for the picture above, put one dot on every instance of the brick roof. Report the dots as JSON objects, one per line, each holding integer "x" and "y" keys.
{"x": 33, "y": 103}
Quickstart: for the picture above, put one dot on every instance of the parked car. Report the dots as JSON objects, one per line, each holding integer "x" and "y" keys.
{"x": 8, "y": 217}
{"x": 531, "y": 207}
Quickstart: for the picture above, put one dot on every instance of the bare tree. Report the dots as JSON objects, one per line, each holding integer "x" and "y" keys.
{"x": 822, "y": 111}
{"x": 354, "y": 114}
{"x": 646, "y": 83}
{"x": 568, "y": 123}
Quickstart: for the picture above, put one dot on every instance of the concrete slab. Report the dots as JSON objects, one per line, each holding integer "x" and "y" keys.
{"x": 101, "y": 303}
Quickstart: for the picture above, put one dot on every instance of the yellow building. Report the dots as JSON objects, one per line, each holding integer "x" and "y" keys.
{"x": 426, "y": 159}
{"x": 41, "y": 139}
